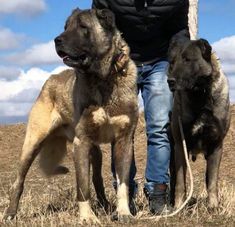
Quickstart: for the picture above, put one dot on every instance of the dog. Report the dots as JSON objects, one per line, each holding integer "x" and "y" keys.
{"x": 94, "y": 102}
{"x": 201, "y": 100}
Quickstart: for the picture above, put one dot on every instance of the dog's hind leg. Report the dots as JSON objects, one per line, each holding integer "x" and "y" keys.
{"x": 96, "y": 160}
{"x": 17, "y": 187}
{"x": 212, "y": 170}
{"x": 39, "y": 127}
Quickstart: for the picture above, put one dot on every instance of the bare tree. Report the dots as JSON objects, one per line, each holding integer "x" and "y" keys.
{"x": 193, "y": 18}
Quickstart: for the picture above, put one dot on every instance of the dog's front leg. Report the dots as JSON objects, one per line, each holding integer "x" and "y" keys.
{"x": 81, "y": 149}
{"x": 180, "y": 166}
{"x": 123, "y": 154}
{"x": 96, "y": 159}
{"x": 212, "y": 170}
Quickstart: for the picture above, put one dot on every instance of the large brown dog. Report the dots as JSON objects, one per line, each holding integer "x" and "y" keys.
{"x": 94, "y": 103}
{"x": 201, "y": 99}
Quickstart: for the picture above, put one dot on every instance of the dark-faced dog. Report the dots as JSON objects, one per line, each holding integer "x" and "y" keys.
{"x": 201, "y": 99}
{"x": 93, "y": 103}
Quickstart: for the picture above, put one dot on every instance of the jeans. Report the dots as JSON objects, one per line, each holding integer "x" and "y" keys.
{"x": 157, "y": 99}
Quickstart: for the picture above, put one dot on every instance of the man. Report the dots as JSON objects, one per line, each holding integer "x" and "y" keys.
{"x": 147, "y": 26}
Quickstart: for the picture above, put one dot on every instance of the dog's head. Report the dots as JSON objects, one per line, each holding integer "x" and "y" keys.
{"x": 87, "y": 37}
{"x": 190, "y": 65}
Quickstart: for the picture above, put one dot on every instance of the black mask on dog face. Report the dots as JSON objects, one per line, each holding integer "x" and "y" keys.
{"x": 190, "y": 68}
{"x": 88, "y": 36}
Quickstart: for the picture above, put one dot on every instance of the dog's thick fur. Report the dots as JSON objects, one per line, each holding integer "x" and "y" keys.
{"x": 201, "y": 100}
{"x": 94, "y": 103}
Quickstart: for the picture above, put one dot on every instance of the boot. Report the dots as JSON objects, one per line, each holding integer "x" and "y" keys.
{"x": 157, "y": 197}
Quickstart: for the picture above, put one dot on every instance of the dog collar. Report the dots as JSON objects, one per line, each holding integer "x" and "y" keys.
{"x": 119, "y": 65}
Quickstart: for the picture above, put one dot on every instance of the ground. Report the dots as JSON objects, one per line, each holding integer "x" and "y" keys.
{"x": 51, "y": 202}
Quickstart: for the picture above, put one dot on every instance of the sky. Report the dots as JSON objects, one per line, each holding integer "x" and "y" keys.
{"x": 28, "y": 57}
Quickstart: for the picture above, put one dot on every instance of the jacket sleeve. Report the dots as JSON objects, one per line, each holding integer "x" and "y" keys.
{"x": 100, "y": 4}
{"x": 179, "y": 19}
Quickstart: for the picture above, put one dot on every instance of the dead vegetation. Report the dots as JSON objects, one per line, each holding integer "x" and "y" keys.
{"x": 51, "y": 202}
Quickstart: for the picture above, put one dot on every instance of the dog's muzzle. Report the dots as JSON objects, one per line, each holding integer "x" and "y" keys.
{"x": 69, "y": 57}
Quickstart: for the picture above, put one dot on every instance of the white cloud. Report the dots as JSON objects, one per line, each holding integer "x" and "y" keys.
{"x": 22, "y": 7}
{"x": 17, "y": 96}
{"x": 225, "y": 49}
{"x": 229, "y": 68}
{"x": 9, "y": 40}
{"x": 39, "y": 54}
{"x": 9, "y": 73}
{"x": 9, "y": 109}
{"x": 33, "y": 78}
{"x": 231, "y": 80}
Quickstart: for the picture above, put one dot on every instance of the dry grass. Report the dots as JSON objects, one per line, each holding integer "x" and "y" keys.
{"x": 56, "y": 206}
{"x": 51, "y": 202}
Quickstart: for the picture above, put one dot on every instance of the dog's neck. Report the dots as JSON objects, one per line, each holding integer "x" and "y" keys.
{"x": 114, "y": 63}
{"x": 200, "y": 100}
{"x": 121, "y": 57}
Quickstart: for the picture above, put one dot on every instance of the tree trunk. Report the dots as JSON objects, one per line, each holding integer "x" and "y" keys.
{"x": 193, "y": 18}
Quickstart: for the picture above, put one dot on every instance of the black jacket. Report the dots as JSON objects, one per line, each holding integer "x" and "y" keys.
{"x": 148, "y": 25}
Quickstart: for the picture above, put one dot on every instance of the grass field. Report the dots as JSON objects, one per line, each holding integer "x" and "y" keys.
{"x": 51, "y": 202}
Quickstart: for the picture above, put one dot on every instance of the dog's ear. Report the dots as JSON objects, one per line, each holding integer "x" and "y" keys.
{"x": 77, "y": 10}
{"x": 176, "y": 43}
{"x": 106, "y": 18}
{"x": 205, "y": 48}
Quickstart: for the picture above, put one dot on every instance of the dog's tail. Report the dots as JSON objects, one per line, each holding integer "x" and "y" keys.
{"x": 51, "y": 154}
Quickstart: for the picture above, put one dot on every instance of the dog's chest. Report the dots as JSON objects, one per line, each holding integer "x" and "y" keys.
{"x": 202, "y": 132}
{"x": 108, "y": 95}
{"x": 106, "y": 112}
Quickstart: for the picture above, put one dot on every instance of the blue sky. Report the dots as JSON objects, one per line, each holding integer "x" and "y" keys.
{"x": 27, "y": 54}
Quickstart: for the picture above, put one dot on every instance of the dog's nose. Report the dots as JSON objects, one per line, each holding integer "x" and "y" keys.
{"x": 58, "y": 40}
{"x": 171, "y": 83}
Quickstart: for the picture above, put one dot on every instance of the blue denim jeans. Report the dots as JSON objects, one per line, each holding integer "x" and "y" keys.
{"x": 157, "y": 99}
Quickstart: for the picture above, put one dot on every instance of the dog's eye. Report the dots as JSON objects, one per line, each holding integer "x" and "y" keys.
{"x": 83, "y": 26}
{"x": 186, "y": 59}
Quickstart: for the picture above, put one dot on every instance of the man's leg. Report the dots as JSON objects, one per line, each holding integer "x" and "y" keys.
{"x": 157, "y": 105}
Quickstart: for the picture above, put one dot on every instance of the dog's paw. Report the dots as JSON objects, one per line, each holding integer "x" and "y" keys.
{"x": 92, "y": 220}
{"x": 8, "y": 216}
{"x": 122, "y": 218}
{"x": 86, "y": 214}
{"x": 213, "y": 202}
{"x": 88, "y": 218}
